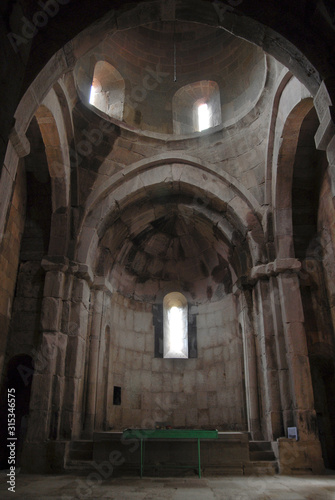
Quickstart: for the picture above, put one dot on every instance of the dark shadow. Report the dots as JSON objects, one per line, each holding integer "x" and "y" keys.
{"x": 18, "y": 381}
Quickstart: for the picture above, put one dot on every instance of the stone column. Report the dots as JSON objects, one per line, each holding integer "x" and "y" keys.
{"x": 72, "y": 415}
{"x": 46, "y": 359}
{"x": 91, "y": 387}
{"x": 250, "y": 363}
{"x": 306, "y": 453}
{"x": 297, "y": 353}
{"x": 48, "y": 380}
{"x": 268, "y": 360}
{"x": 100, "y": 287}
{"x": 282, "y": 362}
{"x": 103, "y": 363}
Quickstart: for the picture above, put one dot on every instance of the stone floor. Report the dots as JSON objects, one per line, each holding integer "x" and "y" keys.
{"x": 68, "y": 487}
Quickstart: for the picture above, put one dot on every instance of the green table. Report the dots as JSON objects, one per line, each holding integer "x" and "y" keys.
{"x": 148, "y": 434}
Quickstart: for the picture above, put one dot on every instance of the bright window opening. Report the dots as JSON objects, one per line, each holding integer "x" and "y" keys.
{"x": 175, "y": 318}
{"x": 203, "y": 117}
{"x": 175, "y": 344}
{"x": 92, "y": 95}
{"x": 196, "y": 107}
{"x": 107, "y": 90}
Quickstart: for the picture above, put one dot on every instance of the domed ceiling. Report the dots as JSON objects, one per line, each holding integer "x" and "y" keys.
{"x": 161, "y": 241}
{"x": 157, "y": 60}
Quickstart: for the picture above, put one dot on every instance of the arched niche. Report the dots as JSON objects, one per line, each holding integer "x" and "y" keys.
{"x": 186, "y": 103}
{"x": 107, "y": 90}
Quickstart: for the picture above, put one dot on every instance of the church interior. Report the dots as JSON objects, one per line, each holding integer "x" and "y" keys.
{"x": 167, "y": 252}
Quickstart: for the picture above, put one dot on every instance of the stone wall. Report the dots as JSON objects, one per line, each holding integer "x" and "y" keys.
{"x": 204, "y": 392}
{"x": 319, "y": 304}
{"x": 9, "y": 257}
{"x": 326, "y": 247}
{"x": 220, "y": 353}
{"x": 30, "y": 249}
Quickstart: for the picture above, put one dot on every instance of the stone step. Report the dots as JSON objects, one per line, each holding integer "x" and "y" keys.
{"x": 261, "y": 451}
{"x": 260, "y": 468}
{"x": 266, "y": 456}
{"x": 260, "y": 446}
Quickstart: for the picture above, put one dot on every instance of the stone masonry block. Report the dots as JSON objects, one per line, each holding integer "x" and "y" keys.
{"x": 202, "y": 399}
{"x": 296, "y": 339}
{"x": 62, "y": 340}
{"x": 322, "y": 101}
{"x": 78, "y": 320}
{"x": 53, "y": 286}
{"x": 300, "y": 457}
{"x": 302, "y": 383}
{"x": 50, "y": 315}
{"x": 41, "y": 392}
{"x": 75, "y": 357}
{"x": 71, "y": 393}
{"x": 37, "y": 426}
{"x": 81, "y": 291}
{"x": 289, "y": 290}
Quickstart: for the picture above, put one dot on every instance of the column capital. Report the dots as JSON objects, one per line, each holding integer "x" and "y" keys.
{"x": 101, "y": 283}
{"x": 284, "y": 265}
{"x": 265, "y": 271}
{"x": 55, "y": 263}
{"x": 63, "y": 264}
{"x": 83, "y": 271}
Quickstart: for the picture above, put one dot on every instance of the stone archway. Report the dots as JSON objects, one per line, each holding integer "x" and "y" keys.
{"x": 282, "y": 203}
{"x": 242, "y": 209}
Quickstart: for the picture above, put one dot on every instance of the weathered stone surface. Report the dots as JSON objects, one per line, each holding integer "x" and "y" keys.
{"x": 118, "y": 203}
{"x": 78, "y": 320}
{"x": 300, "y": 457}
{"x": 75, "y": 357}
{"x": 290, "y": 298}
{"x": 54, "y": 283}
{"x": 51, "y": 314}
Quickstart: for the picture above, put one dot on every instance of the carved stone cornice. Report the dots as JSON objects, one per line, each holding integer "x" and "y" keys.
{"x": 274, "y": 268}
{"x": 65, "y": 265}
{"x": 55, "y": 263}
{"x": 101, "y": 283}
{"x": 265, "y": 271}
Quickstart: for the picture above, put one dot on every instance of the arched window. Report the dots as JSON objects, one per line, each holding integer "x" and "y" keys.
{"x": 175, "y": 328}
{"x": 196, "y": 107}
{"x": 107, "y": 90}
